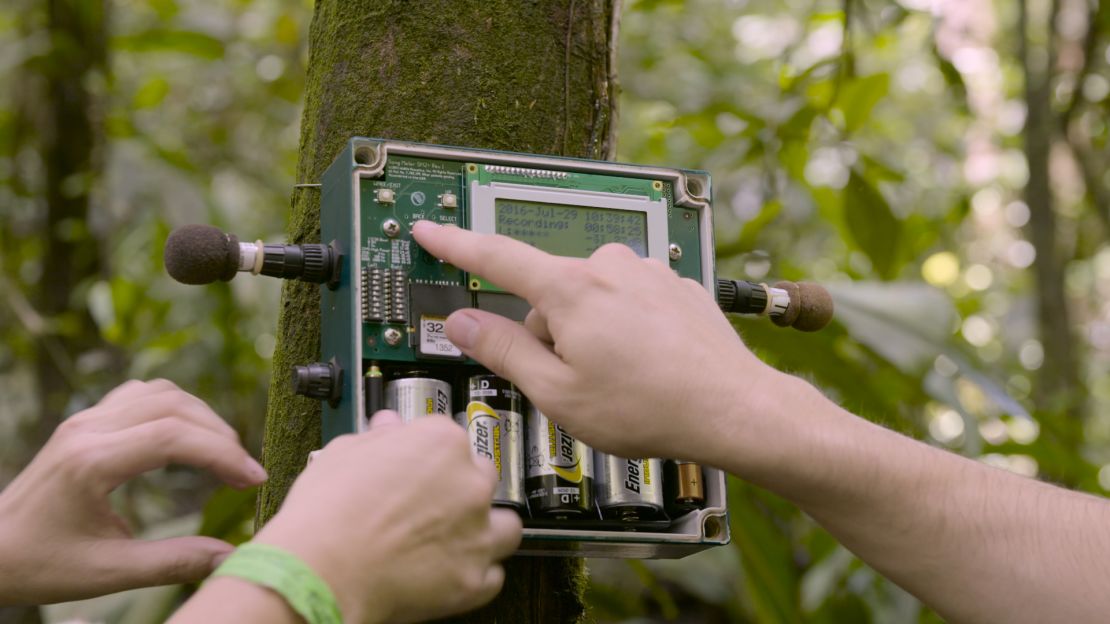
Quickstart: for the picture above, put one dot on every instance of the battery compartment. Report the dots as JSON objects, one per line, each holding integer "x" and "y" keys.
{"x": 674, "y": 532}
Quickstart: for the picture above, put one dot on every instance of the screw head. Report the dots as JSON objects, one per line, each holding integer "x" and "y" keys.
{"x": 391, "y": 228}
{"x": 392, "y": 336}
{"x": 675, "y": 252}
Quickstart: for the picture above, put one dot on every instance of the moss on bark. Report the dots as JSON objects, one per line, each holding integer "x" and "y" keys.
{"x": 522, "y": 75}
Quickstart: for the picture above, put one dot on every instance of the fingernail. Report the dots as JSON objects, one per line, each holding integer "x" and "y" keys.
{"x": 255, "y": 471}
{"x": 384, "y": 418}
{"x": 424, "y": 225}
{"x": 463, "y": 329}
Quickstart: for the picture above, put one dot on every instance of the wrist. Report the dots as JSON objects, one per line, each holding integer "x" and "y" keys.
{"x": 807, "y": 449}
{"x": 235, "y": 600}
{"x": 779, "y": 432}
{"x": 312, "y": 547}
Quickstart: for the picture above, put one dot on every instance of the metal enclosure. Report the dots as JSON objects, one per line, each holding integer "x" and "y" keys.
{"x": 389, "y": 287}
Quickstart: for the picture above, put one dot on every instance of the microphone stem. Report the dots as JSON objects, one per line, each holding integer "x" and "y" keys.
{"x": 744, "y": 297}
{"x": 250, "y": 257}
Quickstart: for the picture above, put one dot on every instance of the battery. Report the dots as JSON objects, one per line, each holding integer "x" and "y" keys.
{"x": 413, "y": 397}
{"x": 560, "y": 471}
{"x": 495, "y": 426}
{"x": 629, "y": 489}
{"x": 685, "y": 489}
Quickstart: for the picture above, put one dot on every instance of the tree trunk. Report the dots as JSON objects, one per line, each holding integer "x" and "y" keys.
{"x": 70, "y": 151}
{"x": 61, "y": 108}
{"x": 518, "y": 75}
{"x": 1059, "y": 387}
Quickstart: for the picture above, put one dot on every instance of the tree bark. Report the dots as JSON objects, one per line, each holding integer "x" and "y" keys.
{"x": 1059, "y": 388}
{"x": 62, "y": 110}
{"x": 70, "y": 152}
{"x": 514, "y": 75}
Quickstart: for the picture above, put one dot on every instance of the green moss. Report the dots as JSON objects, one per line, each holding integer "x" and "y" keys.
{"x": 495, "y": 74}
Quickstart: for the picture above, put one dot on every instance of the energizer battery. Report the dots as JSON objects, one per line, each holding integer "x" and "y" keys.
{"x": 629, "y": 489}
{"x": 415, "y": 396}
{"x": 560, "y": 470}
{"x": 685, "y": 487}
{"x": 494, "y": 423}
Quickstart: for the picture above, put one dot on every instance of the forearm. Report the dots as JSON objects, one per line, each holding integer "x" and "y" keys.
{"x": 230, "y": 599}
{"x": 974, "y": 542}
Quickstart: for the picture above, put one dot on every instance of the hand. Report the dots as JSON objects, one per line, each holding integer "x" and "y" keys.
{"x": 398, "y": 522}
{"x": 619, "y": 350}
{"x": 60, "y": 539}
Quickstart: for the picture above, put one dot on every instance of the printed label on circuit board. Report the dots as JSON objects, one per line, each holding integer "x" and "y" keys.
{"x": 433, "y": 338}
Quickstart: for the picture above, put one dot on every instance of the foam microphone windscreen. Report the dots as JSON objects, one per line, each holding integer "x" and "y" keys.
{"x": 201, "y": 254}
{"x": 811, "y": 307}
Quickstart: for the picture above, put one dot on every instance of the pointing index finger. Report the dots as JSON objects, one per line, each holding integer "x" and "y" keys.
{"x": 515, "y": 266}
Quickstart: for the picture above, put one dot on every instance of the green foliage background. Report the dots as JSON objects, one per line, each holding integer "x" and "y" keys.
{"x": 873, "y": 145}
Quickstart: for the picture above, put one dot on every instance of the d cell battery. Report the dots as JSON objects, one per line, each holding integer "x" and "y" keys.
{"x": 629, "y": 489}
{"x": 413, "y": 397}
{"x": 495, "y": 426}
{"x": 560, "y": 471}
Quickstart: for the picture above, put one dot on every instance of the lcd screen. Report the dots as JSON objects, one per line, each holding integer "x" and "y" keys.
{"x": 575, "y": 231}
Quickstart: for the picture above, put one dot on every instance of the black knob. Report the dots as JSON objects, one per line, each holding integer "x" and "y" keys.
{"x": 312, "y": 263}
{"x": 726, "y": 294}
{"x": 741, "y": 297}
{"x": 317, "y": 264}
{"x": 319, "y": 380}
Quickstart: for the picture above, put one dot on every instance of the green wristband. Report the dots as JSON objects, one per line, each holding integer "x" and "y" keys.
{"x": 288, "y": 576}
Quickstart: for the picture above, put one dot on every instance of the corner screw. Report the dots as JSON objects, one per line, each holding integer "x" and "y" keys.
{"x": 675, "y": 252}
{"x": 391, "y": 227}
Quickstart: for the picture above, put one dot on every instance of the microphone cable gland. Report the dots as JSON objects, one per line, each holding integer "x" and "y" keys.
{"x": 319, "y": 380}
{"x": 316, "y": 265}
{"x": 741, "y": 297}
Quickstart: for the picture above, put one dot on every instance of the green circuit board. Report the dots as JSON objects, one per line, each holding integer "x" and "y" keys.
{"x": 403, "y": 285}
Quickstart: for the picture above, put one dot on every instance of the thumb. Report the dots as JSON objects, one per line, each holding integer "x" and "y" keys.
{"x": 384, "y": 419}
{"x": 505, "y": 347}
{"x": 168, "y": 561}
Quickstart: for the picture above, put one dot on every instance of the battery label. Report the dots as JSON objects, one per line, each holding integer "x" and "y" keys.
{"x": 416, "y": 397}
{"x": 637, "y": 474}
{"x": 484, "y": 426}
{"x": 433, "y": 338}
{"x": 564, "y": 456}
{"x": 495, "y": 427}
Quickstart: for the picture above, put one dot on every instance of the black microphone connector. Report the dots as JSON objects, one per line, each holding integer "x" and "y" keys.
{"x": 202, "y": 254}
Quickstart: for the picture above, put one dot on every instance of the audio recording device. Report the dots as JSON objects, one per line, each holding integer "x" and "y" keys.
{"x": 385, "y": 301}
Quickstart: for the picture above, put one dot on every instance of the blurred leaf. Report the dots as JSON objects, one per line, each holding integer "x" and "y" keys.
{"x": 226, "y": 513}
{"x": 873, "y": 226}
{"x": 711, "y": 575}
{"x": 151, "y": 94}
{"x": 822, "y": 578}
{"x": 859, "y": 97}
{"x": 843, "y": 607}
{"x": 166, "y": 9}
{"x": 952, "y": 77}
{"x": 287, "y": 29}
{"x": 746, "y": 241}
{"x": 881, "y": 171}
{"x": 905, "y": 322}
{"x": 769, "y": 576}
{"x": 177, "y": 41}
